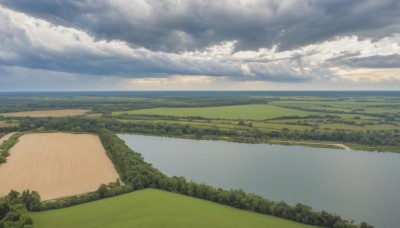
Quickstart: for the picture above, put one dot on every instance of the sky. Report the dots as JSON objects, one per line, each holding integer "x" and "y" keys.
{"x": 199, "y": 45}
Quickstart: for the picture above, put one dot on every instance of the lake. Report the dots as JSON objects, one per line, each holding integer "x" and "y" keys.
{"x": 358, "y": 185}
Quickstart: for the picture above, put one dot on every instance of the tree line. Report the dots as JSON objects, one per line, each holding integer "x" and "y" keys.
{"x": 136, "y": 172}
{"x": 372, "y": 138}
{"x": 13, "y": 209}
{"x": 6, "y": 146}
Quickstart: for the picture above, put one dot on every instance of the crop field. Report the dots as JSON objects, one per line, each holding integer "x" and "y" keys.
{"x": 359, "y": 128}
{"x": 155, "y": 208}
{"x": 56, "y": 165}
{"x": 5, "y": 124}
{"x": 48, "y": 113}
{"x": 249, "y": 112}
{"x": 347, "y": 105}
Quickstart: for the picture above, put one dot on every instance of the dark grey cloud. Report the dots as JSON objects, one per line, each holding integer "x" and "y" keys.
{"x": 375, "y": 61}
{"x": 173, "y": 26}
{"x": 31, "y": 43}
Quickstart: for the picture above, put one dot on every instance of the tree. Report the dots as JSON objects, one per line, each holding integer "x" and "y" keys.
{"x": 365, "y": 225}
{"x": 102, "y": 190}
{"x": 4, "y": 209}
{"x": 13, "y": 196}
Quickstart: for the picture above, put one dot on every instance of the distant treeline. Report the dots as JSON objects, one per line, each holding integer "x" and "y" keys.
{"x": 6, "y": 146}
{"x": 371, "y": 138}
{"x": 387, "y": 116}
{"x": 108, "y": 104}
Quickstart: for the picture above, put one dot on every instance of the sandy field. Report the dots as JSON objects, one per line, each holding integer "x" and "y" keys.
{"x": 47, "y": 113}
{"x": 56, "y": 165}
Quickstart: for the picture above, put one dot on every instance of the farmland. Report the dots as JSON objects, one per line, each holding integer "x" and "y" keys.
{"x": 155, "y": 208}
{"x": 56, "y": 165}
{"x": 5, "y": 124}
{"x": 367, "y": 120}
{"x": 251, "y": 112}
{"x": 287, "y": 118}
{"x": 48, "y": 113}
{"x": 69, "y": 169}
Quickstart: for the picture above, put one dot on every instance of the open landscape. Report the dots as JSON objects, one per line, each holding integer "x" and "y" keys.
{"x": 49, "y": 113}
{"x": 246, "y": 112}
{"x": 154, "y": 208}
{"x": 67, "y": 169}
{"x": 56, "y": 165}
{"x": 200, "y": 113}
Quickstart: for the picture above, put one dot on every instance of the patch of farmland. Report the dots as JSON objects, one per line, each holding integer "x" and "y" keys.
{"x": 5, "y": 124}
{"x": 156, "y": 208}
{"x": 359, "y": 128}
{"x": 249, "y": 112}
{"x": 48, "y": 113}
{"x": 56, "y": 165}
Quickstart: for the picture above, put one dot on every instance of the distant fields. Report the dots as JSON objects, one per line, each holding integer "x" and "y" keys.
{"x": 248, "y": 112}
{"x": 271, "y": 116}
{"x": 48, "y": 113}
{"x": 155, "y": 208}
{"x": 5, "y": 124}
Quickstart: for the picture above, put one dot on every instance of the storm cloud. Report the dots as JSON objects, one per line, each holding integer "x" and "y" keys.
{"x": 173, "y": 26}
{"x": 288, "y": 41}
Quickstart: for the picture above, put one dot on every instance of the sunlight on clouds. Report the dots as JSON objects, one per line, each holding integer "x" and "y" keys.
{"x": 175, "y": 79}
{"x": 371, "y": 75}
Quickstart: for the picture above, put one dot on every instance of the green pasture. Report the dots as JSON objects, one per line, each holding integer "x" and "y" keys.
{"x": 249, "y": 112}
{"x": 155, "y": 208}
{"x": 375, "y": 127}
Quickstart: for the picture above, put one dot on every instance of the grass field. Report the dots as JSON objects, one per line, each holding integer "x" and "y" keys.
{"x": 247, "y": 112}
{"x": 48, "y": 113}
{"x": 155, "y": 208}
{"x": 359, "y": 128}
{"x": 56, "y": 165}
{"x": 6, "y": 137}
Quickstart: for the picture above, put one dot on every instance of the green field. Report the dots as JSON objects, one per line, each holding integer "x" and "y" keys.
{"x": 359, "y": 128}
{"x": 249, "y": 112}
{"x": 155, "y": 208}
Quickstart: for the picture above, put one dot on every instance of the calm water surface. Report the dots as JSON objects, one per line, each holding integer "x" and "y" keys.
{"x": 358, "y": 185}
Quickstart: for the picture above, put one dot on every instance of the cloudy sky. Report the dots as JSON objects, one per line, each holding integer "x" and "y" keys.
{"x": 199, "y": 45}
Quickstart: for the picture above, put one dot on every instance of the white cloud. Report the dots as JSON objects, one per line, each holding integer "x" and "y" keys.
{"x": 36, "y": 48}
{"x": 371, "y": 75}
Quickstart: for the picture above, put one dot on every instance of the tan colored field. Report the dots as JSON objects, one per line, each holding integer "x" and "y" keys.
{"x": 56, "y": 165}
{"x": 5, "y": 124}
{"x": 48, "y": 113}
